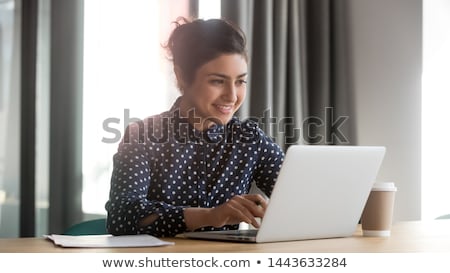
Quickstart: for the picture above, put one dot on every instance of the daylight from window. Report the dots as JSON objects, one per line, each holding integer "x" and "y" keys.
{"x": 435, "y": 109}
{"x": 208, "y": 9}
{"x": 123, "y": 79}
{"x": 126, "y": 76}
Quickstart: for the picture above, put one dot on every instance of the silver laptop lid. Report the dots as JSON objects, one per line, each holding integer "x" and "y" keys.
{"x": 320, "y": 192}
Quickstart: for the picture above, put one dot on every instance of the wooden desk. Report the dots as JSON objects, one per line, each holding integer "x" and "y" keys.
{"x": 429, "y": 236}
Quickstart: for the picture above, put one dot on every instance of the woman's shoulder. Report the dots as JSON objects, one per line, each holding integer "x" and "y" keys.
{"x": 151, "y": 121}
{"x": 247, "y": 129}
{"x": 139, "y": 129}
{"x": 248, "y": 132}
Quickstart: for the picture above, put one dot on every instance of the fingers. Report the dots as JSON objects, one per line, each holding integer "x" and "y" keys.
{"x": 241, "y": 212}
{"x": 247, "y": 207}
{"x": 258, "y": 199}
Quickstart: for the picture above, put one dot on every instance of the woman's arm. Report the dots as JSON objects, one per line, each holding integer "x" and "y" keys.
{"x": 128, "y": 202}
{"x": 269, "y": 164}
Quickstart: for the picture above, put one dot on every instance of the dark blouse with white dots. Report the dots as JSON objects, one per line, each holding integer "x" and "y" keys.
{"x": 164, "y": 165}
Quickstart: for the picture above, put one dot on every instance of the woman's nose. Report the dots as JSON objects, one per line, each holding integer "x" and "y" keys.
{"x": 230, "y": 93}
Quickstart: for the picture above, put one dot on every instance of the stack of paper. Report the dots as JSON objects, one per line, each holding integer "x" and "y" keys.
{"x": 142, "y": 240}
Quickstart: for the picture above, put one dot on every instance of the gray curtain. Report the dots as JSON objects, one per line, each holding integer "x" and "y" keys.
{"x": 66, "y": 83}
{"x": 28, "y": 118}
{"x": 299, "y": 73}
{"x": 65, "y": 170}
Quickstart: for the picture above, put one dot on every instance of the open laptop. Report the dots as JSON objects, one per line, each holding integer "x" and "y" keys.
{"x": 320, "y": 193}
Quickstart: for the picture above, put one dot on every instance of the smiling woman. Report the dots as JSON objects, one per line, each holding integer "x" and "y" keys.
{"x": 211, "y": 75}
{"x": 217, "y": 92}
{"x": 192, "y": 166}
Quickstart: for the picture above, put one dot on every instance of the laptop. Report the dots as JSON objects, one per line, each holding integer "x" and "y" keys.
{"x": 320, "y": 193}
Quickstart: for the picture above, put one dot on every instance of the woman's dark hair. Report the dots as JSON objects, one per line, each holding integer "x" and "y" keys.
{"x": 194, "y": 43}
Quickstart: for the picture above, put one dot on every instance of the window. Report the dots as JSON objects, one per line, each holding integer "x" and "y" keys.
{"x": 9, "y": 118}
{"x": 435, "y": 109}
{"x": 209, "y": 9}
{"x": 126, "y": 76}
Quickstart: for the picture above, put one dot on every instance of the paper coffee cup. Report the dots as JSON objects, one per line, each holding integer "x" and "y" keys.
{"x": 376, "y": 219}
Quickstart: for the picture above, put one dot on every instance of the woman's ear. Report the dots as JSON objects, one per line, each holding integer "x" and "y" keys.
{"x": 180, "y": 79}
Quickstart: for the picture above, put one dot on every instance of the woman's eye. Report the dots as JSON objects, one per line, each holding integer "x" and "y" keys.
{"x": 216, "y": 81}
{"x": 241, "y": 82}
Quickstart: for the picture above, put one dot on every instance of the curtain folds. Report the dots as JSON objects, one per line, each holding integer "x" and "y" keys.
{"x": 65, "y": 91}
{"x": 28, "y": 118}
{"x": 66, "y": 104}
{"x": 299, "y": 74}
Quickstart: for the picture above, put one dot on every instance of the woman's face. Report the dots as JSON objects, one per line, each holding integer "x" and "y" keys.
{"x": 217, "y": 92}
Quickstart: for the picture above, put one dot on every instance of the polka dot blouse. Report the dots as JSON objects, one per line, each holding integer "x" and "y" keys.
{"x": 164, "y": 165}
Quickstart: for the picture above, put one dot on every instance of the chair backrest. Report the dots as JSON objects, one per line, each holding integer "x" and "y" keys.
{"x": 89, "y": 227}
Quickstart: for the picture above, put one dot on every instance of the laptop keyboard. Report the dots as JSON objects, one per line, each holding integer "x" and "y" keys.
{"x": 242, "y": 232}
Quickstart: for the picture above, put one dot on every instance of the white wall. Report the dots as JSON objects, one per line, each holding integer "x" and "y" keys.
{"x": 387, "y": 61}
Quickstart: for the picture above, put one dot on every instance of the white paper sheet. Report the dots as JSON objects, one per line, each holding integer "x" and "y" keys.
{"x": 107, "y": 241}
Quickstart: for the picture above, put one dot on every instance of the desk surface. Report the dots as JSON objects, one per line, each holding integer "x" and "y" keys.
{"x": 421, "y": 236}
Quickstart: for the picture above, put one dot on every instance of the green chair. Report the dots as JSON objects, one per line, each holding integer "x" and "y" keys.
{"x": 89, "y": 227}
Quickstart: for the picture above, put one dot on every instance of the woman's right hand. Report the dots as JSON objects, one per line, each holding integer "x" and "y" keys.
{"x": 240, "y": 208}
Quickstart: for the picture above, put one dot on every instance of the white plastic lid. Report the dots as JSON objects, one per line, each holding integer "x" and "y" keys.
{"x": 384, "y": 186}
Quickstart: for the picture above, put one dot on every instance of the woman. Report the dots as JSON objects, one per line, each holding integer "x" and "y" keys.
{"x": 191, "y": 167}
